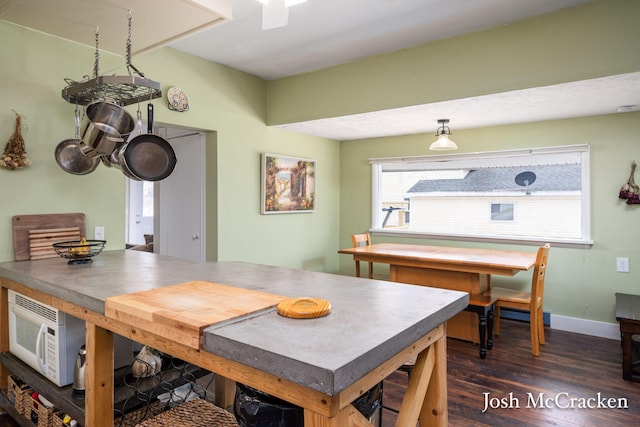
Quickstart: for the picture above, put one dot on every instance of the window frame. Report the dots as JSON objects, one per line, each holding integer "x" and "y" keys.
{"x": 581, "y": 149}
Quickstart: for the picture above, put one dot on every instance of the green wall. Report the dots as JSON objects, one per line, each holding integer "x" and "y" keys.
{"x": 592, "y": 40}
{"x": 229, "y": 105}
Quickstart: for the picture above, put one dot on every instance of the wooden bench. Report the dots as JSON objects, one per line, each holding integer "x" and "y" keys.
{"x": 628, "y": 313}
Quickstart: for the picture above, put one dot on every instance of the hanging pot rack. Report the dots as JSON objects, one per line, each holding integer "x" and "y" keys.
{"x": 122, "y": 90}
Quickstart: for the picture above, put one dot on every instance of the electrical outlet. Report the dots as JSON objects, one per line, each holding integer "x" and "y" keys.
{"x": 622, "y": 265}
{"x": 98, "y": 232}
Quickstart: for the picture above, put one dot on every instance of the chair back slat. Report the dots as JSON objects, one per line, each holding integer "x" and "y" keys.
{"x": 360, "y": 240}
{"x": 539, "y": 273}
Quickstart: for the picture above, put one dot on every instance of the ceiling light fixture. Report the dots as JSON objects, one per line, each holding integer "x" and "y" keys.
{"x": 275, "y": 13}
{"x": 287, "y": 3}
{"x": 443, "y": 142}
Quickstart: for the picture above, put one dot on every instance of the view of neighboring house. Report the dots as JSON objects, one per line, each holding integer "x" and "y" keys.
{"x": 513, "y": 201}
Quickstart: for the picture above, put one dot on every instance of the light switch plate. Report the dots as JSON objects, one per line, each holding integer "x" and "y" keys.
{"x": 98, "y": 232}
{"x": 622, "y": 265}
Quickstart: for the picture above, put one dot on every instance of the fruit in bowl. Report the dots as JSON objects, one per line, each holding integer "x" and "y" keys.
{"x": 82, "y": 249}
{"x": 79, "y": 251}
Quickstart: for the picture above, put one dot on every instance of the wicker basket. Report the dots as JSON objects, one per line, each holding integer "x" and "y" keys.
{"x": 195, "y": 413}
{"x": 18, "y": 393}
{"x": 133, "y": 418}
{"x": 37, "y": 413}
{"x": 57, "y": 419}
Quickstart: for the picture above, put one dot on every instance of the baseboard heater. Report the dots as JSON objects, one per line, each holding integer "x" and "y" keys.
{"x": 521, "y": 315}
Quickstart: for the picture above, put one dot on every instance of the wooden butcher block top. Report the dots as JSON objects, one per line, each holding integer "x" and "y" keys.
{"x": 181, "y": 312}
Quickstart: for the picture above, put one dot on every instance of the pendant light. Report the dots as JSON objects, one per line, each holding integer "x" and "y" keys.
{"x": 443, "y": 142}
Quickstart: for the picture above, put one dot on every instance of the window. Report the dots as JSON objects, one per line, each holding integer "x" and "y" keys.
{"x": 531, "y": 195}
{"x": 501, "y": 211}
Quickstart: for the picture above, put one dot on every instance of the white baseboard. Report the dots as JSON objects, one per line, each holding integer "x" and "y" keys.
{"x": 586, "y": 327}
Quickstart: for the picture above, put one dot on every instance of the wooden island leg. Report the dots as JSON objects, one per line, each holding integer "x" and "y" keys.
{"x": 348, "y": 416}
{"x": 99, "y": 394}
{"x": 435, "y": 410}
{"x": 225, "y": 391}
{"x": 426, "y": 396}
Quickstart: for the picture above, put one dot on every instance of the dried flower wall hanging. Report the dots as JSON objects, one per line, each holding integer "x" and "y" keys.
{"x": 15, "y": 153}
{"x": 630, "y": 190}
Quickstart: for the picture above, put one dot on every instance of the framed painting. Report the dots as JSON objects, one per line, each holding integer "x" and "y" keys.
{"x": 288, "y": 184}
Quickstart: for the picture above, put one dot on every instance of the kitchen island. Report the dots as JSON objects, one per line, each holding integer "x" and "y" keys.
{"x": 319, "y": 364}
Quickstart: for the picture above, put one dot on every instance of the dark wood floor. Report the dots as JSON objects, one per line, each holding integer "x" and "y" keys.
{"x": 570, "y": 366}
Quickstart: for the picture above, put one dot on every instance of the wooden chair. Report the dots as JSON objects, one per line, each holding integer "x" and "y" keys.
{"x": 529, "y": 301}
{"x": 362, "y": 240}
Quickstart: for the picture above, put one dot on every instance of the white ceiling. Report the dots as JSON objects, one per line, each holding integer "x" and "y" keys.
{"x": 323, "y": 33}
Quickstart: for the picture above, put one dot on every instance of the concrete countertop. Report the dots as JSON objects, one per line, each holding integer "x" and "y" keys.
{"x": 370, "y": 321}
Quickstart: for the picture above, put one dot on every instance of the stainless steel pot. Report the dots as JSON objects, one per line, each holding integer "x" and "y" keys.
{"x": 70, "y": 157}
{"x": 104, "y": 126}
{"x": 111, "y": 160}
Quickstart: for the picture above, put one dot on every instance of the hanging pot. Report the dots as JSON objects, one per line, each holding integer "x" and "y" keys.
{"x": 104, "y": 126}
{"x": 112, "y": 159}
{"x": 148, "y": 157}
{"x": 70, "y": 157}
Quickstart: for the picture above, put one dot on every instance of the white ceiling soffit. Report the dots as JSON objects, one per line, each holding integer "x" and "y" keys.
{"x": 155, "y": 23}
{"x": 563, "y": 101}
{"x": 324, "y": 33}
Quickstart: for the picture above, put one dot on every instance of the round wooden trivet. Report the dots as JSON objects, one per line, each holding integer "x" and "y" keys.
{"x": 304, "y": 307}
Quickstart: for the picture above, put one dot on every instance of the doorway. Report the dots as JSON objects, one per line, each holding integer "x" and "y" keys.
{"x": 172, "y": 211}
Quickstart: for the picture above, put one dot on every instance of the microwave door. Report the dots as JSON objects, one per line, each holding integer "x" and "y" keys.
{"x": 28, "y": 341}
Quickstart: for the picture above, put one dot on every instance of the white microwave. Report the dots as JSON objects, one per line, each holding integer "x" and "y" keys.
{"x": 48, "y": 339}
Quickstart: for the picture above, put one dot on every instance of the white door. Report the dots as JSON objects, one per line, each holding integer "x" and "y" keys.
{"x": 180, "y": 207}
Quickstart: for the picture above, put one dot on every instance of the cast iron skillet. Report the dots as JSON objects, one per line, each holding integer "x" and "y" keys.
{"x": 148, "y": 157}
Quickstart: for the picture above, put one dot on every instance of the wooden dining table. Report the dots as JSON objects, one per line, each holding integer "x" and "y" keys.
{"x": 447, "y": 267}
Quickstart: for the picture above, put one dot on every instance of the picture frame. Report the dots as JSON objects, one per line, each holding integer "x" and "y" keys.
{"x": 288, "y": 184}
